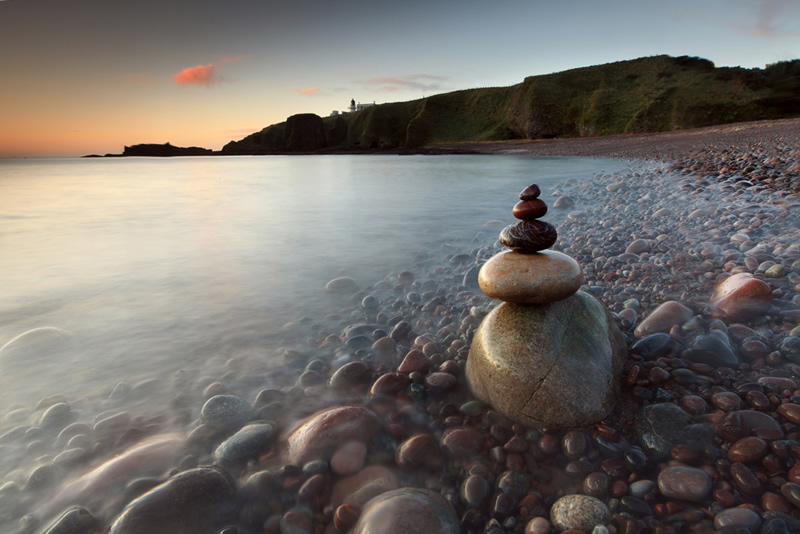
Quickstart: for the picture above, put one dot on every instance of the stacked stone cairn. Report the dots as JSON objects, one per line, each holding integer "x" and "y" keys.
{"x": 550, "y": 354}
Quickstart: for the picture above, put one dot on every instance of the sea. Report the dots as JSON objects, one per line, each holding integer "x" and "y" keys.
{"x": 117, "y": 272}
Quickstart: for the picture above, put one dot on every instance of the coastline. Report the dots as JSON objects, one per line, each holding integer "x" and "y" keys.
{"x": 661, "y": 146}
{"x": 709, "y": 204}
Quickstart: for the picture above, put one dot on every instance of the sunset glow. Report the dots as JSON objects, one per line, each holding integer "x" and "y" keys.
{"x": 92, "y": 77}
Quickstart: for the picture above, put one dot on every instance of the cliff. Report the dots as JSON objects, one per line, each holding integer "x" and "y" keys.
{"x": 652, "y": 94}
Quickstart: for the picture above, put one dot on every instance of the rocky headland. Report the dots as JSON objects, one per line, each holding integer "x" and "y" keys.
{"x": 695, "y": 255}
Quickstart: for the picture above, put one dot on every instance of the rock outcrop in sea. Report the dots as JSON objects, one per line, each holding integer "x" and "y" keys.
{"x": 550, "y": 354}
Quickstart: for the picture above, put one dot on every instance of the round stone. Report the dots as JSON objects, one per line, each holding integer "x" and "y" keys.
{"x": 530, "y": 193}
{"x": 579, "y": 512}
{"x": 247, "y": 443}
{"x": 462, "y": 442}
{"x": 539, "y": 278}
{"x": 738, "y": 517}
{"x": 740, "y": 297}
{"x": 343, "y": 286}
{"x": 663, "y": 318}
{"x": 529, "y": 236}
{"x": 524, "y": 361}
{"x": 349, "y": 458}
{"x": 226, "y": 411}
{"x": 193, "y": 501}
{"x": 748, "y": 449}
{"x": 321, "y": 434}
{"x": 684, "y": 483}
{"x": 528, "y": 210}
{"x": 415, "y": 452}
{"x": 407, "y": 510}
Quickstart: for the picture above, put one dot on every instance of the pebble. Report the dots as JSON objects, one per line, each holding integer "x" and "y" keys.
{"x": 462, "y": 442}
{"x": 249, "y": 442}
{"x": 322, "y": 433}
{"x": 748, "y": 449}
{"x": 349, "y": 458}
{"x": 684, "y": 483}
{"x": 529, "y": 236}
{"x": 663, "y": 318}
{"x": 76, "y": 520}
{"x": 343, "y": 286}
{"x": 359, "y": 488}
{"x": 407, "y": 510}
{"x": 579, "y": 512}
{"x": 193, "y": 501}
{"x": 227, "y": 412}
{"x": 738, "y": 517}
{"x": 538, "y": 278}
{"x": 740, "y": 297}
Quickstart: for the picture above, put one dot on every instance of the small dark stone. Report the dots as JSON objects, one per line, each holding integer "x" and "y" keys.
{"x": 529, "y": 236}
{"x": 635, "y": 506}
{"x": 474, "y": 491}
{"x": 530, "y": 193}
{"x": 653, "y": 346}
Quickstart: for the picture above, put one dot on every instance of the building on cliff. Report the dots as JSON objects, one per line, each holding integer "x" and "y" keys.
{"x": 353, "y": 107}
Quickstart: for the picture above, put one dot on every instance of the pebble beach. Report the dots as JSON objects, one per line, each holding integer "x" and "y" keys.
{"x": 368, "y": 424}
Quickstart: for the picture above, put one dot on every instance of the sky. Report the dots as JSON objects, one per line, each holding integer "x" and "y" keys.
{"x": 91, "y": 76}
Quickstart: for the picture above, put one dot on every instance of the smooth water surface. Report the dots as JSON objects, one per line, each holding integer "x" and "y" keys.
{"x": 133, "y": 268}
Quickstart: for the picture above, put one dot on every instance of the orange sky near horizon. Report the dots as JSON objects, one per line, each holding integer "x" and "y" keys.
{"x": 91, "y": 76}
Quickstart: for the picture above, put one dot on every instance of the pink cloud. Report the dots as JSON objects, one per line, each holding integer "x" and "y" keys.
{"x": 308, "y": 91}
{"x": 419, "y": 82}
{"x": 202, "y": 75}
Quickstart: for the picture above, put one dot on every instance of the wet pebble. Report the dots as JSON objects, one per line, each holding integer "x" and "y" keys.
{"x": 579, "y": 512}
{"x": 684, "y": 483}
{"x": 227, "y": 412}
{"x": 349, "y": 458}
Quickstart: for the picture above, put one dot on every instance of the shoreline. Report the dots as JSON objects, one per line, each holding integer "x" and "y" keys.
{"x": 661, "y": 146}
{"x": 729, "y": 204}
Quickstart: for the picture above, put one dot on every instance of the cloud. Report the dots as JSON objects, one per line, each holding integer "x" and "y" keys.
{"x": 201, "y": 75}
{"x": 419, "y": 82}
{"x": 308, "y": 91}
{"x": 766, "y": 17}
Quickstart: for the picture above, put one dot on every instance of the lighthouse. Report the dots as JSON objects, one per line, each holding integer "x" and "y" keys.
{"x": 352, "y": 105}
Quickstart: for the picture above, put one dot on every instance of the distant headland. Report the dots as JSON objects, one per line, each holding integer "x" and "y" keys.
{"x": 645, "y": 95}
{"x": 165, "y": 150}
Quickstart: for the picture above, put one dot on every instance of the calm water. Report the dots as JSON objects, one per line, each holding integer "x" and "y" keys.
{"x": 138, "y": 267}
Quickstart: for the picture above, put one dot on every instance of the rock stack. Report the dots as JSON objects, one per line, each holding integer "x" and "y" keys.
{"x": 550, "y": 354}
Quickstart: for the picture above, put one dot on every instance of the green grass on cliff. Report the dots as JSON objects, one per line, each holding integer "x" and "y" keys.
{"x": 651, "y": 94}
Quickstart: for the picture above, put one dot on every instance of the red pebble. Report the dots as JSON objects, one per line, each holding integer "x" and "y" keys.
{"x": 531, "y": 192}
{"x": 528, "y": 210}
{"x": 346, "y": 516}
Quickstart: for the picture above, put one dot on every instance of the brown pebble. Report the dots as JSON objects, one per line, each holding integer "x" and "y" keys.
{"x": 531, "y": 192}
{"x": 791, "y": 412}
{"x": 748, "y": 449}
{"x": 745, "y": 480}
{"x": 528, "y": 210}
{"x": 346, "y": 516}
{"x": 415, "y": 452}
{"x": 529, "y": 236}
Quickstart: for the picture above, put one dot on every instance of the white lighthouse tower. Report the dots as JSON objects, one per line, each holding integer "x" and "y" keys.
{"x": 352, "y": 105}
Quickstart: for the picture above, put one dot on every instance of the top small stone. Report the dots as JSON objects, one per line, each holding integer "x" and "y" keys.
{"x": 531, "y": 192}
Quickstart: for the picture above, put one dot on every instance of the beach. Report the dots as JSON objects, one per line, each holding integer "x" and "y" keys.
{"x": 703, "y": 438}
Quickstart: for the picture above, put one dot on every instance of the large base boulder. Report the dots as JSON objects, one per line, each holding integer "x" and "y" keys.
{"x": 556, "y": 363}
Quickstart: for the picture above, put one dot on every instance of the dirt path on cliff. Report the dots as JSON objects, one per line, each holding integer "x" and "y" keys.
{"x": 663, "y": 145}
